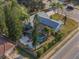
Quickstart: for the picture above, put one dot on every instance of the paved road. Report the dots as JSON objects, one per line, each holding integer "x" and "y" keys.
{"x": 74, "y": 14}
{"x": 69, "y": 50}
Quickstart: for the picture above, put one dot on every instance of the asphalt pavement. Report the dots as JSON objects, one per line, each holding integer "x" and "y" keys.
{"x": 73, "y": 14}
{"x": 70, "y": 50}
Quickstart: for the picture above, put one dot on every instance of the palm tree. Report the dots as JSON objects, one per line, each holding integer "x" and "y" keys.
{"x": 35, "y": 32}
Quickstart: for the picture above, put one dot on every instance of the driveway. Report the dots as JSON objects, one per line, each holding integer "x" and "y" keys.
{"x": 74, "y": 14}
{"x": 69, "y": 50}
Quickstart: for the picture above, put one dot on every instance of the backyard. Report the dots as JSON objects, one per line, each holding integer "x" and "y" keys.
{"x": 65, "y": 30}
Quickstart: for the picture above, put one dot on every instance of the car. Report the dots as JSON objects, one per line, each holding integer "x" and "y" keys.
{"x": 70, "y": 7}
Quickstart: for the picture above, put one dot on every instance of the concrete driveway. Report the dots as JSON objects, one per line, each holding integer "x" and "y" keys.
{"x": 69, "y": 50}
{"x": 74, "y": 14}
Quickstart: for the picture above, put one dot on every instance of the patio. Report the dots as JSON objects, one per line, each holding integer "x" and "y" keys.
{"x": 25, "y": 40}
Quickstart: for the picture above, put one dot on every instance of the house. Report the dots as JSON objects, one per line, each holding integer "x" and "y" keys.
{"x": 44, "y": 22}
{"x": 5, "y": 46}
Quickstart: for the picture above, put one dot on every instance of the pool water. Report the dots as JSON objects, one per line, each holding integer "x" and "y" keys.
{"x": 41, "y": 38}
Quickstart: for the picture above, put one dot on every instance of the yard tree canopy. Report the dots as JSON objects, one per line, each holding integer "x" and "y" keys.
{"x": 12, "y": 15}
{"x": 3, "y": 28}
{"x": 32, "y": 5}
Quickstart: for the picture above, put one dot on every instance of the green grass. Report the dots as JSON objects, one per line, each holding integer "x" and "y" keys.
{"x": 70, "y": 24}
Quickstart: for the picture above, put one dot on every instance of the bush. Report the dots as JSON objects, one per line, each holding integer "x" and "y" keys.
{"x": 40, "y": 52}
{"x": 50, "y": 45}
{"x": 46, "y": 46}
{"x": 58, "y": 36}
{"x": 52, "y": 42}
{"x": 45, "y": 49}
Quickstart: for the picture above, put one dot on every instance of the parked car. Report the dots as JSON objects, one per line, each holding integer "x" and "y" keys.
{"x": 70, "y": 7}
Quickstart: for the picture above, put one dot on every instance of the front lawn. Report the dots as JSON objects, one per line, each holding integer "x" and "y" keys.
{"x": 68, "y": 27}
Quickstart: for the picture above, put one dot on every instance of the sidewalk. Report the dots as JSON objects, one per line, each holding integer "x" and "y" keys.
{"x": 77, "y": 7}
{"x": 57, "y": 47}
{"x": 49, "y": 13}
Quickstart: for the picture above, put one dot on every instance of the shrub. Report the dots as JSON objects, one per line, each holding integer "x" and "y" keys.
{"x": 52, "y": 42}
{"x": 46, "y": 46}
{"x": 49, "y": 45}
{"x": 38, "y": 54}
{"x": 58, "y": 36}
{"x": 45, "y": 49}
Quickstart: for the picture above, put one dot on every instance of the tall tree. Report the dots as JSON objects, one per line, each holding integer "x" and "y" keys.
{"x": 35, "y": 32}
{"x": 33, "y": 5}
{"x": 3, "y": 29}
{"x": 12, "y": 15}
{"x": 24, "y": 14}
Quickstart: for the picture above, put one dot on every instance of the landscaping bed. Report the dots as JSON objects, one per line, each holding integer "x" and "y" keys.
{"x": 68, "y": 27}
{"x": 63, "y": 33}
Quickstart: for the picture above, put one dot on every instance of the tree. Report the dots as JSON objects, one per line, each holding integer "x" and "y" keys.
{"x": 65, "y": 20}
{"x": 12, "y": 15}
{"x": 60, "y": 7}
{"x": 24, "y": 14}
{"x": 3, "y": 29}
{"x": 57, "y": 6}
{"x": 58, "y": 36}
{"x": 32, "y": 5}
{"x": 35, "y": 32}
{"x": 48, "y": 31}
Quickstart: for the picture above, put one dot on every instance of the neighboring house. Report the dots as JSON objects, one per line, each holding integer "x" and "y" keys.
{"x": 6, "y": 47}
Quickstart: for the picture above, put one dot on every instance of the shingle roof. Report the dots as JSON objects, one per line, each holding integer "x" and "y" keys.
{"x": 4, "y": 45}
